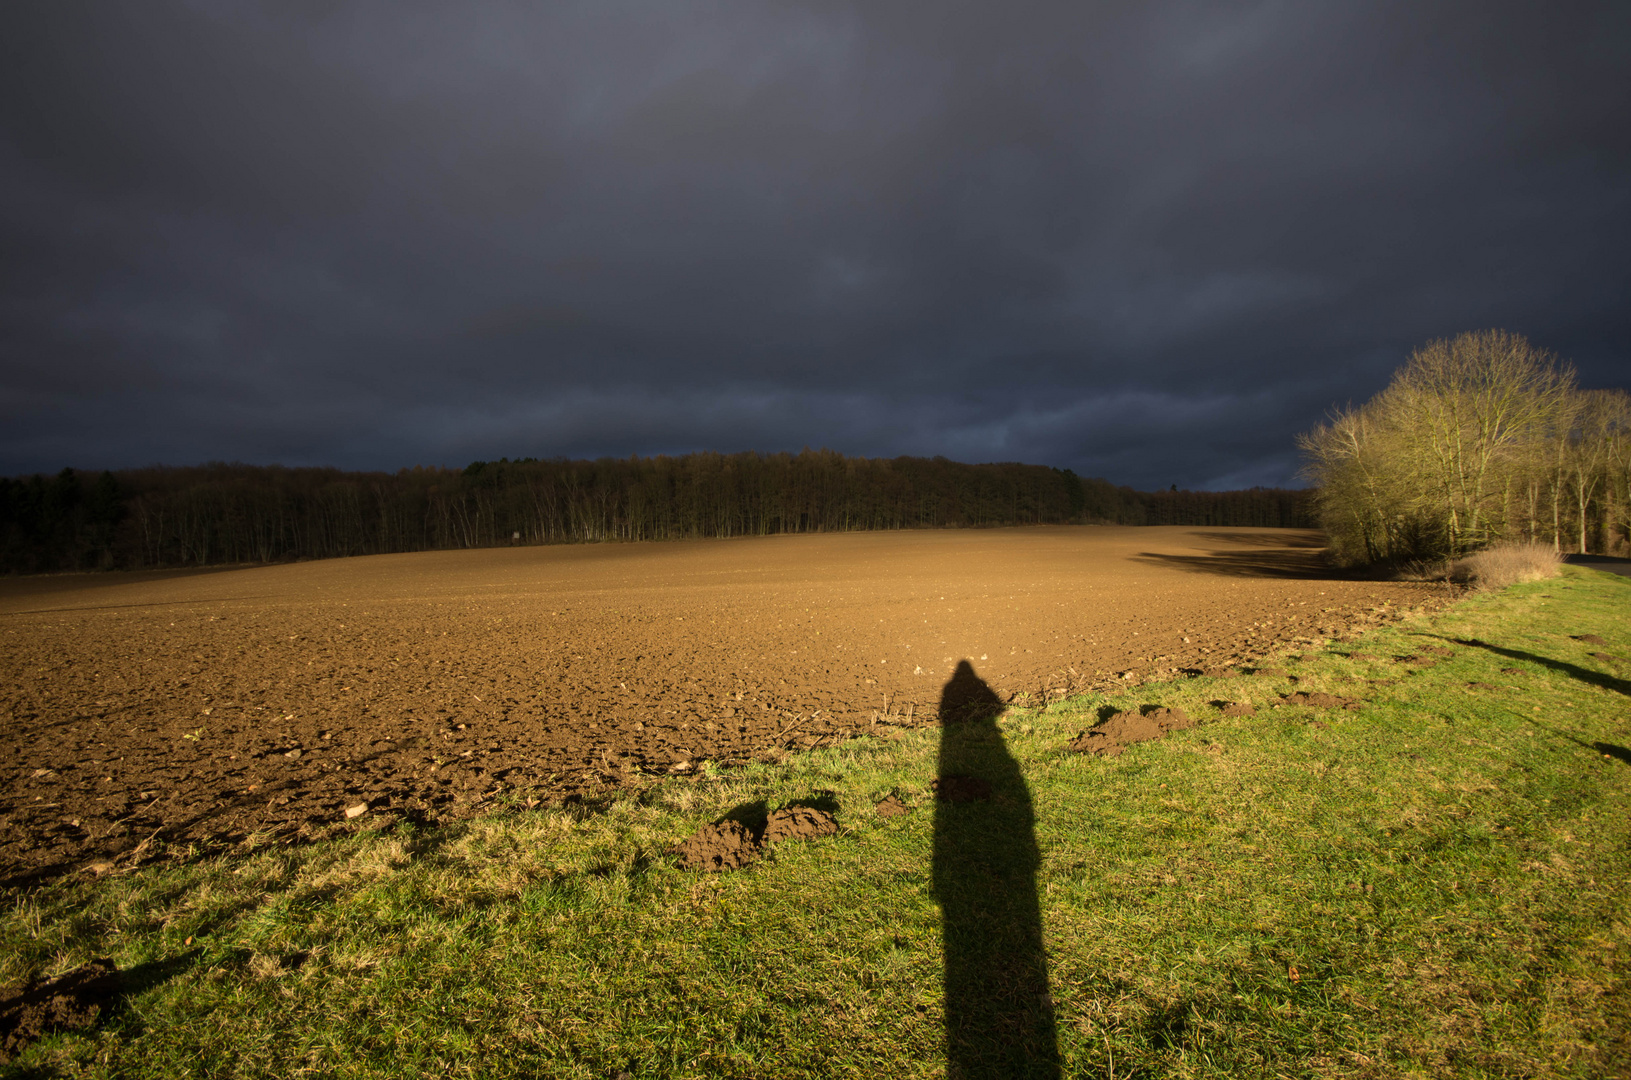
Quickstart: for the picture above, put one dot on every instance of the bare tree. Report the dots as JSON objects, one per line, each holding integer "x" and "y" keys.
{"x": 1466, "y": 405}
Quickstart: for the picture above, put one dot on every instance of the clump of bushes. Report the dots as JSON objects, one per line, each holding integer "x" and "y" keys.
{"x": 1506, "y": 564}
{"x": 1479, "y": 440}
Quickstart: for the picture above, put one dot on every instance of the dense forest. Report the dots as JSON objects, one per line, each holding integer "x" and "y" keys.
{"x": 215, "y": 514}
{"x": 1478, "y": 440}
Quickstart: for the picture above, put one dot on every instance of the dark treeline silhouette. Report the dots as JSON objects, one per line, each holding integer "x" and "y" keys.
{"x": 217, "y": 514}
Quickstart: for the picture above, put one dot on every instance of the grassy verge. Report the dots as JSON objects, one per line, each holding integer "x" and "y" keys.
{"x": 1434, "y": 884}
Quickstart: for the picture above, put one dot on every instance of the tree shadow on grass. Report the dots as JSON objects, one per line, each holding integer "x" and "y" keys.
{"x": 1608, "y": 749}
{"x": 1574, "y": 671}
{"x": 999, "y": 1015}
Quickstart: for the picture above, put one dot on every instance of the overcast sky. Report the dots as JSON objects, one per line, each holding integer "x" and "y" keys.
{"x": 1147, "y": 241}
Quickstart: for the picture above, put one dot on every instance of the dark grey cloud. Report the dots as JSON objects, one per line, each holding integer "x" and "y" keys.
{"x": 1149, "y": 241}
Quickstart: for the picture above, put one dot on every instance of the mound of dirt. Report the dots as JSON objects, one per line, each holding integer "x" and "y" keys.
{"x": 726, "y": 845}
{"x": 798, "y": 823}
{"x": 891, "y": 807}
{"x": 1590, "y": 639}
{"x": 961, "y": 789}
{"x": 1418, "y": 661}
{"x": 1606, "y": 658}
{"x": 731, "y": 845}
{"x": 1111, "y": 737}
{"x": 1220, "y": 672}
{"x": 1275, "y": 672}
{"x": 1319, "y": 701}
{"x": 1512, "y": 671}
{"x": 1437, "y": 650}
{"x": 1236, "y": 708}
{"x": 69, "y": 1001}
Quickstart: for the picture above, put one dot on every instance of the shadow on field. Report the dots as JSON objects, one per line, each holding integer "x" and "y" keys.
{"x": 1287, "y": 538}
{"x": 1574, "y": 671}
{"x": 1609, "y": 564}
{"x": 1608, "y": 749}
{"x": 999, "y": 1015}
{"x": 1265, "y": 555}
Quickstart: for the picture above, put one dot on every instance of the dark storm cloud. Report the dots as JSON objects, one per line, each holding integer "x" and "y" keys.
{"x": 1145, "y": 241}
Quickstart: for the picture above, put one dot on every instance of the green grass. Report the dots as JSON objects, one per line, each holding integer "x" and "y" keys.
{"x": 1445, "y": 869}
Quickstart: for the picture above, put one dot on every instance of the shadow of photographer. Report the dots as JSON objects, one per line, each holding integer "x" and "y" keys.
{"x": 999, "y": 1014}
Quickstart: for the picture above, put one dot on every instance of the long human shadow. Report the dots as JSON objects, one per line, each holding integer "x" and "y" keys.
{"x": 999, "y": 1014}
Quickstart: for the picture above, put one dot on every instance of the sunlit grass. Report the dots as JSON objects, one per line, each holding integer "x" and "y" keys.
{"x": 1432, "y": 885}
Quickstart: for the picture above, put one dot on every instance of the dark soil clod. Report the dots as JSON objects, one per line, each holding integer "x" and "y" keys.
{"x": 962, "y": 789}
{"x": 726, "y": 845}
{"x": 1236, "y": 708}
{"x": 732, "y": 844}
{"x": 70, "y": 1001}
{"x": 891, "y": 807}
{"x": 798, "y": 823}
{"x": 1112, "y": 736}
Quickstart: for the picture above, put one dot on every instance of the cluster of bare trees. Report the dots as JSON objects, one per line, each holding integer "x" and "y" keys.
{"x": 1478, "y": 439}
{"x": 199, "y": 515}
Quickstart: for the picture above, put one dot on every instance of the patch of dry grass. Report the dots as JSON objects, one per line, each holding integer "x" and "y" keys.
{"x": 1506, "y": 564}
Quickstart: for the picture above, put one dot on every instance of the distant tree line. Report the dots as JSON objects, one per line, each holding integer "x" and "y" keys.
{"x": 1479, "y": 439}
{"x": 216, "y": 514}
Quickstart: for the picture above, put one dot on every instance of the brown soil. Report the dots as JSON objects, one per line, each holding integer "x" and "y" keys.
{"x": 1235, "y": 708}
{"x": 725, "y": 845}
{"x": 1112, "y": 736}
{"x": 1607, "y": 658}
{"x": 732, "y": 844}
{"x": 149, "y": 712}
{"x": 798, "y": 823}
{"x": 890, "y": 806}
{"x": 70, "y": 1001}
{"x": 1590, "y": 639}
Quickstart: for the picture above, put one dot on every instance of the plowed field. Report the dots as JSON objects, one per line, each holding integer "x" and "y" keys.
{"x": 146, "y": 713}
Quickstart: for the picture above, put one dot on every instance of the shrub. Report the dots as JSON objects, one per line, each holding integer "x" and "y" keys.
{"x": 1506, "y": 564}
